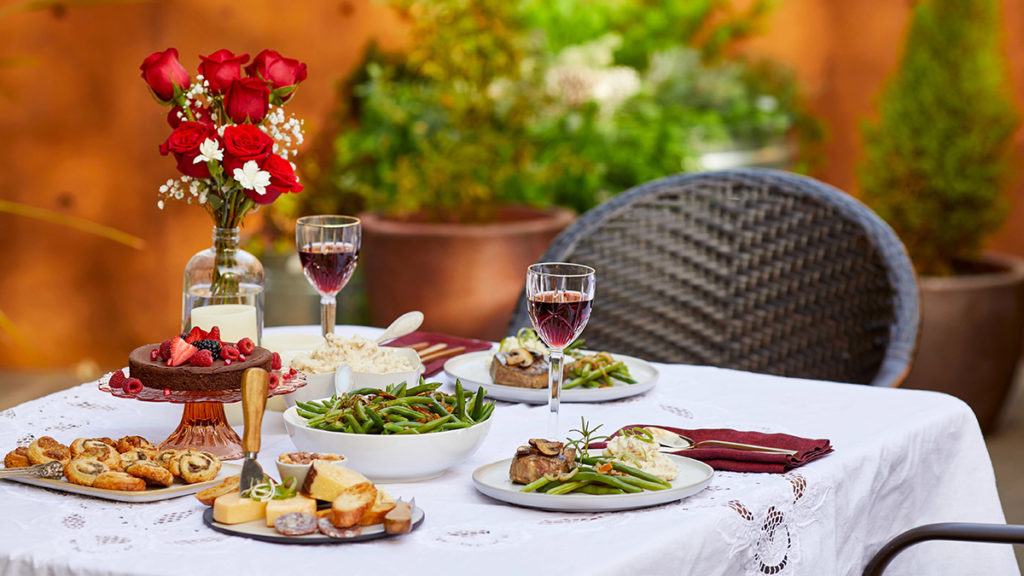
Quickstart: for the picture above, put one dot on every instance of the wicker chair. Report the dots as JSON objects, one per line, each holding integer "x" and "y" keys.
{"x": 752, "y": 269}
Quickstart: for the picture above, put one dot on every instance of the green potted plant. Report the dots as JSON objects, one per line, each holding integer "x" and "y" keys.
{"x": 936, "y": 168}
{"x": 499, "y": 113}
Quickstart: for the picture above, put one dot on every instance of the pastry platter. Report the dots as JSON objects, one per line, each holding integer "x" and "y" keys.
{"x": 176, "y": 490}
{"x": 258, "y": 530}
{"x": 473, "y": 370}
{"x": 493, "y": 480}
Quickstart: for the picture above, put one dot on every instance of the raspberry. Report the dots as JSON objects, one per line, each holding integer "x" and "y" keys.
{"x": 275, "y": 361}
{"x": 133, "y": 386}
{"x": 167, "y": 391}
{"x": 165, "y": 350}
{"x": 229, "y": 352}
{"x": 154, "y": 354}
{"x": 274, "y": 381}
{"x": 246, "y": 346}
{"x": 214, "y": 334}
{"x": 117, "y": 379}
{"x": 202, "y": 358}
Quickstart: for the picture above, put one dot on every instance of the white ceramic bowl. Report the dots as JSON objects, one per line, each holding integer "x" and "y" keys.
{"x": 392, "y": 457}
{"x": 299, "y": 471}
{"x": 323, "y": 385}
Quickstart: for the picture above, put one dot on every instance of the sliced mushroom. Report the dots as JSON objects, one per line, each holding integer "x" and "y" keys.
{"x": 549, "y": 447}
{"x": 523, "y": 450}
{"x": 519, "y": 357}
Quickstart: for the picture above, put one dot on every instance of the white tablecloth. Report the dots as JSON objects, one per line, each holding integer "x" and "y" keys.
{"x": 902, "y": 458}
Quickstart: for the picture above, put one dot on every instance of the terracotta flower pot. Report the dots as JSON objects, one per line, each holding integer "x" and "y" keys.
{"x": 971, "y": 333}
{"x": 465, "y": 278}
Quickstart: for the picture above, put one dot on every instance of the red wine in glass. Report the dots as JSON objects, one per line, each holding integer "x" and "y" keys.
{"x": 560, "y": 316}
{"x": 328, "y": 265}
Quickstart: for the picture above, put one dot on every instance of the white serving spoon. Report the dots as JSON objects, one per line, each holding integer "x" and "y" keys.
{"x": 405, "y": 324}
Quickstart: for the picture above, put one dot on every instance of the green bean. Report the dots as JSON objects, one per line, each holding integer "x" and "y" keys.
{"x": 310, "y": 407}
{"x": 486, "y": 412}
{"x": 538, "y": 483}
{"x": 365, "y": 392}
{"x": 304, "y": 414}
{"x": 423, "y": 388}
{"x": 619, "y": 376}
{"x": 605, "y": 479}
{"x": 641, "y": 483}
{"x": 599, "y": 489}
{"x": 436, "y": 423}
{"x": 455, "y": 426}
{"x": 566, "y": 487}
{"x": 460, "y": 407}
{"x": 478, "y": 404}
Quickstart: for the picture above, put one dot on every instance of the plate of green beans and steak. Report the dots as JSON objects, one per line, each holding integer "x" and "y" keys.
{"x": 636, "y": 377}
{"x": 493, "y": 480}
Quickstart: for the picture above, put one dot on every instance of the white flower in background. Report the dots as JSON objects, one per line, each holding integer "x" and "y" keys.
{"x": 209, "y": 151}
{"x": 584, "y": 74}
{"x": 252, "y": 178}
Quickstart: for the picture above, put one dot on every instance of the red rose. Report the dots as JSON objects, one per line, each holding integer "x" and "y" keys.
{"x": 184, "y": 144}
{"x": 222, "y": 68}
{"x": 243, "y": 143}
{"x": 247, "y": 99}
{"x": 199, "y": 114}
{"x": 279, "y": 71}
{"x": 163, "y": 72}
{"x": 282, "y": 175}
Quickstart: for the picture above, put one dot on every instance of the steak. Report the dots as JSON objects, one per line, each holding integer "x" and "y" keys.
{"x": 530, "y": 463}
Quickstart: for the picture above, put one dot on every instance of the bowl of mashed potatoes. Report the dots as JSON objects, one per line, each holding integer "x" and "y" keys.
{"x": 341, "y": 364}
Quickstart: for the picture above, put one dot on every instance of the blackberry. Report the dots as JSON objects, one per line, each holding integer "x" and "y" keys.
{"x": 212, "y": 345}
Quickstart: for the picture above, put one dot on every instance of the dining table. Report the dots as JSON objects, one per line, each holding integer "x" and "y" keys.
{"x": 900, "y": 459}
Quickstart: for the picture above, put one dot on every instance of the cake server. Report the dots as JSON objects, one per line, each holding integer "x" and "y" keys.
{"x": 255, "y": 384}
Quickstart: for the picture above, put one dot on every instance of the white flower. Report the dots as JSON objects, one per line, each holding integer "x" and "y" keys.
{"x": 209, "y": 151}
{"x": 252, "y": 178}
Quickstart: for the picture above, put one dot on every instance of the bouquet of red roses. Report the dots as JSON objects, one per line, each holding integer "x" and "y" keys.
{"x": 231, "y": 138}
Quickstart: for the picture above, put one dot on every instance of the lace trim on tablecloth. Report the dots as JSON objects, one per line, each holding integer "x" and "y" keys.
{"x": 769, "y": 534}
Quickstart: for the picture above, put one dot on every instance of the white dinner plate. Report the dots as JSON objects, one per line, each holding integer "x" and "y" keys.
{"x": 474, "y": 370}
{"x": 150, "y": 494}
{"x": 492, "y": 480}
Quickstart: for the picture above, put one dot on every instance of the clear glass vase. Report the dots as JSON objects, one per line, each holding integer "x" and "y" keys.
{"x": 223, "y": 286}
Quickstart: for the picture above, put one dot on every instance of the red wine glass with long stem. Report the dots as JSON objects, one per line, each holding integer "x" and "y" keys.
{"x": 559, "y": 296}
{"x": 328, "y": 249}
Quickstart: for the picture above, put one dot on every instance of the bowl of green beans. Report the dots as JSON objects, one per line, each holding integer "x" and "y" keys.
{"x": 398, "y": 434}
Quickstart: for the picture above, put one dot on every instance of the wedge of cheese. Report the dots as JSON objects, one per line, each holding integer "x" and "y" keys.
{"x": 298, "y": 503}
{"x": 232, "y": 508}
{"x": 325, "y": 481}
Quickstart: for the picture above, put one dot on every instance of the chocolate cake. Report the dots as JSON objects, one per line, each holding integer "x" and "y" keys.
{"x": 157, "y": 374}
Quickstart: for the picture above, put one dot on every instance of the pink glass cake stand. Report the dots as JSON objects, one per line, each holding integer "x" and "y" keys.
{"x": 204, "y": 426}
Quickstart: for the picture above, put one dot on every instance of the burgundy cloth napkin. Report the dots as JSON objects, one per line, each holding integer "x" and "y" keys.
{"x": 735, "y": 460}
{"x": 431, "y": 338}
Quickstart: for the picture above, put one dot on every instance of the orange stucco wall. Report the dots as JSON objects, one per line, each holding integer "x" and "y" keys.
{"x": 79, "y": 134}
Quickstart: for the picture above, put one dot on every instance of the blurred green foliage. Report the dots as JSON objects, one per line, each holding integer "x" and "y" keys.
{"x": 546, "y": 102}
{"x": 937, "y": 158}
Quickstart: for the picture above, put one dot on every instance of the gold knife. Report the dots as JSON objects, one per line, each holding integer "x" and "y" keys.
{"x": 255, "y": 384}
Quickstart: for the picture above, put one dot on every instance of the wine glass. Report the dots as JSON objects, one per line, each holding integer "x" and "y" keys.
{"x": 560, "y": 296}
{"x": 328, "y": 249}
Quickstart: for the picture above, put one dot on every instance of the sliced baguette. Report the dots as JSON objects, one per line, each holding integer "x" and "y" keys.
{"x": 381, "y": 506}
{"x": 351, "y": 504}
{"x": 325, "y": 481}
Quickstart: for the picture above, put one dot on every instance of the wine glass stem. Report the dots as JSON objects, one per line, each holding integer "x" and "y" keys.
{"x": 327, "y": 313}
{"x": 555, "y": 389}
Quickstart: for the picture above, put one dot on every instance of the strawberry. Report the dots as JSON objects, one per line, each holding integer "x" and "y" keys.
{"x": 214, "y": 334}
{"x": 229, "y": 352}
{"x": 165, "y": 350}
{"x": 133, "y": 386}
{"x": 195, "y": 335}
{"x": 246, "y": 346}
{"x": 117, "y": 379}
{"x": 275, "y": 361}
{"x": 202, "y": 358}
{"x": 181, "y": 351}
